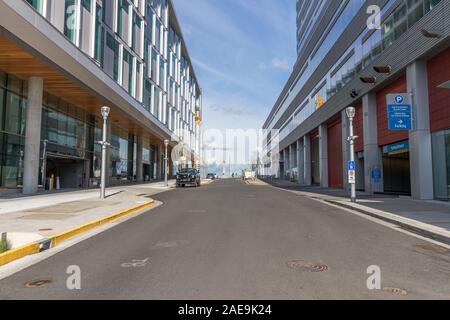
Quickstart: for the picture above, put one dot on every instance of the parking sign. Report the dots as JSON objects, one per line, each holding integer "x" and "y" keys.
{"x": 399, "y": 111}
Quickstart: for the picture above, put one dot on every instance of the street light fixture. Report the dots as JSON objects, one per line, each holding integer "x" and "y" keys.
{"x": 370, "y": 80}
{"x": 383, "y": 69}
{"x": 166, "y": 163}
{"x": 104, "y": 143}
{"x": 351, "y": 112}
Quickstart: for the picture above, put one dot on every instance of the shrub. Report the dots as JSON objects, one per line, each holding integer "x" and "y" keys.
{"x": 3, "y": 245}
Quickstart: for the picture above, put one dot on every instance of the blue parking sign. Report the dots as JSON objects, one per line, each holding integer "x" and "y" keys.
{"x": 400, "y": 117}
{"x": 399, "y": 111}
{"x": 351, "y": 166}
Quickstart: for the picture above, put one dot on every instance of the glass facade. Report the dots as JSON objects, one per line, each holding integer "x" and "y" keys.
{"x": 12, "y": 130}
{"x": 441, "y": 164}
{"x": 140, "y": 48}
{"x": 67, "y": 131}
{"x": 368, "y": 46}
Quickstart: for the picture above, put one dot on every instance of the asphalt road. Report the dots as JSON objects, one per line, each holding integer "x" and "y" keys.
{"x": 229, "y": 240}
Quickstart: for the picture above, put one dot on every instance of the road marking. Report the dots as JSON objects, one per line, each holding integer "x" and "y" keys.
{"x": 135, "y": 263}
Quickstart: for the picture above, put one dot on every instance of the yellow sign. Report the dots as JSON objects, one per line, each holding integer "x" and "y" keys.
{"x": 198, "y": 119}
{"x": 320, "y": 101}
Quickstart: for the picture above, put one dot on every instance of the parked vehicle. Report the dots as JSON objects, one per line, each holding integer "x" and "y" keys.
{"x": 188, "y": 176}
{"x": 211, "y": 176}
{"x": 248, "y": 175}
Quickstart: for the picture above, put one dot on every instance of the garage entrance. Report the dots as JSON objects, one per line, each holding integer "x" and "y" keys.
{"x": 72, "y": 172}
{"x": 396, "y": 169}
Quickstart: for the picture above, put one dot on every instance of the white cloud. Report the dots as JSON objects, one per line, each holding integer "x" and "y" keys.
{"x": 281, "y": 64}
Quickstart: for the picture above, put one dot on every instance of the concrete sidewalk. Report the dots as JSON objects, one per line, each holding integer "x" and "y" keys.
{"x": 29, "y": 219}
{"x": 427, "y": 218}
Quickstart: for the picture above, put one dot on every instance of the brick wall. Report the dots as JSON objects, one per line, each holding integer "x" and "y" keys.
{"x": 438, "y": 73}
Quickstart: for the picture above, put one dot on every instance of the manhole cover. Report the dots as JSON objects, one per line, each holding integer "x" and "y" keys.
{"x": 38, "y": 283}
{"x": 307, "y": 266}
{"x": 396, "y": 291}
{"x": 431, "y": 247}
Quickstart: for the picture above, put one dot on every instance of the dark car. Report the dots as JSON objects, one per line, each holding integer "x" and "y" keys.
{"x": 211, "y": 176}
{"x": 188, "y": 177}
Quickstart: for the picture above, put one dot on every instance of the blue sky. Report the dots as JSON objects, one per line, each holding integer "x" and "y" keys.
{"x": 243, "y": 52}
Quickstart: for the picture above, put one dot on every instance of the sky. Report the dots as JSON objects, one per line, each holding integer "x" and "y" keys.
{"x": 243, "y": 52}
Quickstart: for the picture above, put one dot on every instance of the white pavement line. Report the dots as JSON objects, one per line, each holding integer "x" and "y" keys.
{"x": 28, "y": 261}
{"x": 380, "y": 221}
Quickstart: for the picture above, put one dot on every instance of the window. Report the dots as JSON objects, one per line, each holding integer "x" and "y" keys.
{"x": 70, "y": 20}
{"x": 86, "y": 4}
{"x": 99, "y": 35}
{"x": 113, "y": 45}
{"x": 37, "y": 4}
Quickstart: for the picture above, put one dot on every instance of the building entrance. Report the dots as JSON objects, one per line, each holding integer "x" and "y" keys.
{"x": 396, "y": 169}
{"x": 72, "y": 173}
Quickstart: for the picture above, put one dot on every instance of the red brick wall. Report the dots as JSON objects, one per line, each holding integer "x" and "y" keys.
{"x": 438, "y": 73}
{"x": 358, "y": 127}
{"x": 386, "y": 136}
{"x": 335, "y": 174}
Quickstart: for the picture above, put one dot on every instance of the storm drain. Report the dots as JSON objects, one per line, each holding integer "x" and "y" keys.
{"x": 307, "y": 266}
{"x": 38, "y": 283}
{"x": 395, "y": 291}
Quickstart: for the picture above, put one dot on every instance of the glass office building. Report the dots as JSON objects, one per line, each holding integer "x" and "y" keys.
{"x": 136, "y": 62}
{"x": 346, "y": 59}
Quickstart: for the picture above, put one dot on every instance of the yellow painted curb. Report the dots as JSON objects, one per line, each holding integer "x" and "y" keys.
{"x": 33, "y": 248}
{"x": 63, "y": 236}
{"x": 18, "y": 253}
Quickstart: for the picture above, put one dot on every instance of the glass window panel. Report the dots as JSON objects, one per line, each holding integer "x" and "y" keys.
{"x": 15, "y": 114}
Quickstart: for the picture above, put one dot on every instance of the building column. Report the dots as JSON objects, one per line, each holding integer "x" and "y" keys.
{"x": 291, "y": 159}
{"x": 373, "y": 159}
{"x": 307, "y": 160}
{"x": 345, "y": 148}
{"x": 139, "y": 155}
{"x": 300, "y": 162}
{"x": 287, "y": 163}
{"x": 323, "y": 155}
{"x": 33, "y": 135}
{"x": 160, "y": 162}
{"x": 422, "y": 187}
{"x": 108, "y": 153}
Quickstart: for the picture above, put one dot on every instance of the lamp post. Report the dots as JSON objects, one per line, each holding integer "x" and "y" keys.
{"x": 104, "y": 143}
{"x": 166, "y": 163}
{"x": 351, "y": 111}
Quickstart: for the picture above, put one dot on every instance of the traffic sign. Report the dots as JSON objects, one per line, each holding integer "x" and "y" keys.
{"x": 351, "y": 165}
{"x": 351, "y": 177}
{"x": 376, "y": 174}
{"x": 399, "y": 111}
{"x": 352, "y": 172}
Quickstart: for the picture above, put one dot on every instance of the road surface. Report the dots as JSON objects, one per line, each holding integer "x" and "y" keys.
{"x": 229, "y": 240}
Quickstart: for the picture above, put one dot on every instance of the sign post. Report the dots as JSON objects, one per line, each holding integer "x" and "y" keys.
{"x": 351, "y": 111}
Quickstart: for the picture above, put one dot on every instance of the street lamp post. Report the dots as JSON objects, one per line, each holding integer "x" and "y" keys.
{"x": 351, "y": 111}
{"x": 104, "y": 143}
{"x": 166, "y": 163}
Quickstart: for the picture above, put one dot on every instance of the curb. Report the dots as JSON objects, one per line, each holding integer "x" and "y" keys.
{"x": 406, "y": 226}
{"x": 53, "y": 241}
